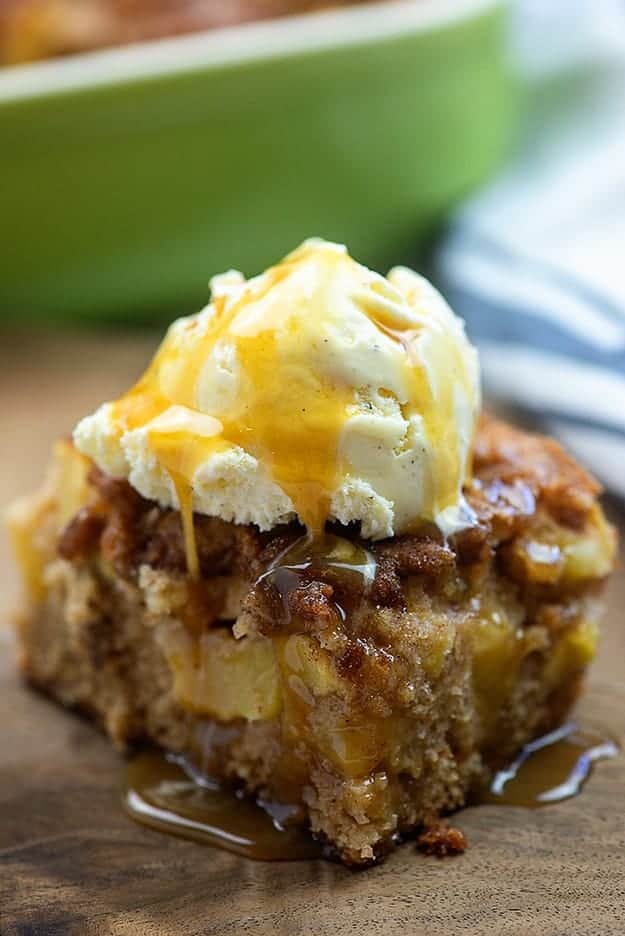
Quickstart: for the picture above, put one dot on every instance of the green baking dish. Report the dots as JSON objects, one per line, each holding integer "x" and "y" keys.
{"x": 129, "y": 176}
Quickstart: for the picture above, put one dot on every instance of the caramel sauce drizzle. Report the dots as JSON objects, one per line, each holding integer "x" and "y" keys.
{"x": 285, "y": 414}
{"x": 344, "y": 564}
{"x": 439, "y": 414}
{"x": 184, "y": 494}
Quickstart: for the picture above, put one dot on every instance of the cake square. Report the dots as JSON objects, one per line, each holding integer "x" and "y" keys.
{"x": 376, "y": 721}
{"x": 295, "y": 556}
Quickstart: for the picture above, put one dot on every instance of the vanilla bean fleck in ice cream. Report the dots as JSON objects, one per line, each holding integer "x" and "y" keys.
{"x": 318, "y": 390}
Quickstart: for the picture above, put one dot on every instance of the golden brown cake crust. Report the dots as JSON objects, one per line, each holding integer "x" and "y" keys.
{"x": 506, "y": 455}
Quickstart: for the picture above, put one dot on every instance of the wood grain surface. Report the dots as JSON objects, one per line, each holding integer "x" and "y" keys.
{"x": 72, "y": 863}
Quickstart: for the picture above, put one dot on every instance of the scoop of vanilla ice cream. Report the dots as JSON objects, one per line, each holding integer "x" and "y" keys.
{"x": 319, "y": 390}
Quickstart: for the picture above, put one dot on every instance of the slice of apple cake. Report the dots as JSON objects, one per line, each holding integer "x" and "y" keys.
{"x": 371, "y": 682}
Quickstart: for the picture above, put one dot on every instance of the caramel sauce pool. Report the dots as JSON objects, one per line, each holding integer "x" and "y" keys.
{"x": 160, "y": 793}
{"x": 549, "y": 769}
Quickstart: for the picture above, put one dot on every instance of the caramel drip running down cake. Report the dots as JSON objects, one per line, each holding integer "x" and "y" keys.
{"x": 298, "y": 554}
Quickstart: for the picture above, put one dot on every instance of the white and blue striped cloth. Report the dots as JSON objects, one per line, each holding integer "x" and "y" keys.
{"x": 536, "y": 262}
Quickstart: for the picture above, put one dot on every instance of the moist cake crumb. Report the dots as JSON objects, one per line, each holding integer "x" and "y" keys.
{"x": 441, "y": 840}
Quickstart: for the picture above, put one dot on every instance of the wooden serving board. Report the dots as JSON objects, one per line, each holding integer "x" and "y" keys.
{"x": 72, "y": 863}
